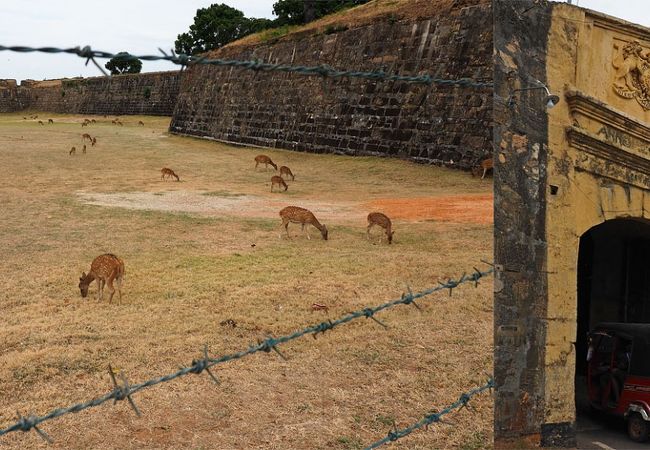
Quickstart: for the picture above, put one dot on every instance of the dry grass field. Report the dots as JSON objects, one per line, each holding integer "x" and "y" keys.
{"x": 205, "y": 250}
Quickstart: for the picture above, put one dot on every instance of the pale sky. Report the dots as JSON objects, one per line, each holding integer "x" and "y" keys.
{"x": 140, "y": 27}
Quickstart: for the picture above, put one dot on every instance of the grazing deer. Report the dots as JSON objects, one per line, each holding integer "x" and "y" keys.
{"x": 302, "y": 216}
{"x": 485, "y": 165}
{"x": 72, "y": 151}
{"x": 24, "y": 118}
{"x": 83, "y": 124}
{"x": 284, "y": 170}
{"x": 93, "y": 120}
{"x": 105, "y": 269}
{"x": 140, "y": 123}
{"x": 119, "y": 123}
{"x": 377, "y": 218}
{"x": 50, "y": 121}
{"x": 168, "y": 172}
{"x": 41, "y": 122}
{"x": 263, "y": 159}
{"x": 83, "y": 150}
{"x": 86, "y": 136}
{"x": 93, "y": 142}
{"x": 279, "y": 181}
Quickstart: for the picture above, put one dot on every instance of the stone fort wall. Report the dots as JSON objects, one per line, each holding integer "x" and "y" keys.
{"x": 432, "y": 124}
{"x": 147, "y": 93}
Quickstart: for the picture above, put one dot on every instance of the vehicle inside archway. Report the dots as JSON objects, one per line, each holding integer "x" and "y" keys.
{"x": 614, "y": 326}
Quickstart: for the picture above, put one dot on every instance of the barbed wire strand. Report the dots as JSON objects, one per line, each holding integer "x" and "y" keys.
{"x": 183, "y": 60}
{"x": 435, "y": 417}
{"x": 199, "y": 365}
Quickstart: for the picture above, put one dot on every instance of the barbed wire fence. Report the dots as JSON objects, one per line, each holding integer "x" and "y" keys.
{"x": 184, "y": 60}
{"x": 123, "y": 390}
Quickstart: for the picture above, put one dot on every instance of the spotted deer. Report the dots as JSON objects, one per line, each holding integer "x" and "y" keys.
{"x": 263, "y": 159}
{"x": 302, "y": 216}
{"x": 93, "y": 142}
{"x": 72, "y": 151}
{"x": 50, "y": 121}
{"x": 279, "y": 181}
{"x": 169, "y": 173}
{"x": 284, "y": 170}
{"x": 40, "y": 122}
{"x": 377, "y": 218}
{"x": 485, "y": 165}
{"x": 86, "y": 136}
{"x": 83, "y": 124}
{"x": 141, "y": 123}
{"x": 105, "y": 269}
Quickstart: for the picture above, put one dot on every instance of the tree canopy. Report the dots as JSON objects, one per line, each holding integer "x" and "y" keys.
{"x": 215, "y": 26}
{"x": 219, "y": 24}
{"x": 118, "y": 65}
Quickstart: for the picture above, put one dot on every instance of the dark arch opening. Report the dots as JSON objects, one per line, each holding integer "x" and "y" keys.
{"x": 613, "y": 285}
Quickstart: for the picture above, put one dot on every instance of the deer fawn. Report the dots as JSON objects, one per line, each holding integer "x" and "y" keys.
{"x": 284, "y": 170}
{"x": 72, "y": 151}
{"x": 263, "y": 159}
{"x": 105, "y": 268}
{"x": 377, "y": 218}
{"x": 485, "y": 165}
{"x": 168, "y": 172}
{"x": 279, "y": 181}
{"x": 86, "y": 136}
{"x": 302, "y": 216}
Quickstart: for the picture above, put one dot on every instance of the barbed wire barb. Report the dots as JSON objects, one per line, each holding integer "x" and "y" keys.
{"x": 122, "y": 392}
{"x": 27, "y": 423}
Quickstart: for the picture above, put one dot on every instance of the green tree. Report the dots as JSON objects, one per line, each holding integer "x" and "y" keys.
{"x": 215, "y": 26}
{"x": 118, "y": 64}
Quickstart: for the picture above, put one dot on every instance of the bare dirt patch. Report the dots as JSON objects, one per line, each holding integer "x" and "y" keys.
{"x": 476, "y": 208}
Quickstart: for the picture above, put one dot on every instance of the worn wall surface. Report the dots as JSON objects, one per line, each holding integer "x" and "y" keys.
{"x": 147, "y": 93}
{"x": 592, "y": 166}
{"x": 356, "y": 116}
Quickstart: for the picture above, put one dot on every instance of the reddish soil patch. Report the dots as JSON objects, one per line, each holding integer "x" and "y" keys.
{"x": 454, "y": 208}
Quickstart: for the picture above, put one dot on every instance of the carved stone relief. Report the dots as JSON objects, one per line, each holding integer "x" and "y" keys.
{"x": 632, "y": 76}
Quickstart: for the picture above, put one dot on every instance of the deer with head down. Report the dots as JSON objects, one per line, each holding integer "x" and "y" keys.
{"x": 105, "y": 269}
{"x": 168, "y": 173}
{"x": 279, "y": 181}
{"x": 284, "y": 170}
{"x": 263, "y": 159}
{"x": 303, "y": 216}
{"x": 382, "y": 220}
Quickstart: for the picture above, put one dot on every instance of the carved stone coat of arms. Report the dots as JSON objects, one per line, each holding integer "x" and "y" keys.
{"x": 632, "y": 76}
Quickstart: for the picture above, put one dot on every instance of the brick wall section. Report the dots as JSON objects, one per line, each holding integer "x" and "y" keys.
{"x": 147, "y": 93}
{"x": 354, "y": 116}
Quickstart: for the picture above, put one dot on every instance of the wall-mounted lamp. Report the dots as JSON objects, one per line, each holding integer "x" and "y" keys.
{"x": 551, "y": 99}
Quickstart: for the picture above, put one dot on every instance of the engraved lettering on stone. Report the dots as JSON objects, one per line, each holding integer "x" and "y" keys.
{"x": 615, "y": 136}
{"x": 632, "y": 76}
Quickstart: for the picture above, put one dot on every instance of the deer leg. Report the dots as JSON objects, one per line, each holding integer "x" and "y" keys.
{"x": 256, "y": 164}
{"x": 368, "y": 230}
{"x": 111, "y": 289}
{"x": 484, "y": 172}
{"x": 119, "y": 289}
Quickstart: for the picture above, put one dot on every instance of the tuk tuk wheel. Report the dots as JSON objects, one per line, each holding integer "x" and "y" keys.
{"x": 637, "y": 428}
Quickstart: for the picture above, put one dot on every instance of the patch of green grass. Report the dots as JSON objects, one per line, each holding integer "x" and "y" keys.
{"x": 273, "y": 34}
{"x": 225, "y": 194}
{"x": 477, "y": 441}
{"x": 352, "y": 443}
